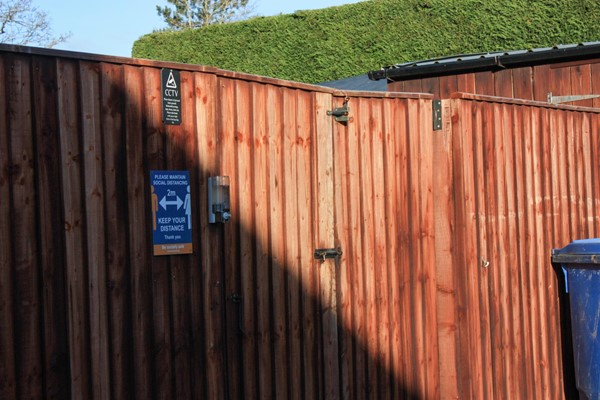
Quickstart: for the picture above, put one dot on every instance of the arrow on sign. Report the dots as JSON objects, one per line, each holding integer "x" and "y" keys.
{"x": 164, "y": 202}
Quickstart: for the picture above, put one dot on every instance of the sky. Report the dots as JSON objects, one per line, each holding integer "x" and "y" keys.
{"x": 110, "y": 27}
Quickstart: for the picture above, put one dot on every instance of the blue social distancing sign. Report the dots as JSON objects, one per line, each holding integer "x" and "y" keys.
{"x": 171, "y": 212}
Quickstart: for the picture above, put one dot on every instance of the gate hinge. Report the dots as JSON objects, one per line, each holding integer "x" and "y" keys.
{"x": 341, "y": 113}
{"x": 566, "y": 99}
{"x": 322, "y": 254}
{"x": 436, "y": 108}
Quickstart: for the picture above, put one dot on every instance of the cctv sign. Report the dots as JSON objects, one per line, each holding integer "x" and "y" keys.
{"x": 171, "y": 96}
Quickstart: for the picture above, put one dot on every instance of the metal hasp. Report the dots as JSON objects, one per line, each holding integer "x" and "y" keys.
{"x": 341, "y": 113}
{"x": 436, "y": 108}
{"x": 566, "y": 99}
{"x": 323, "y": 254}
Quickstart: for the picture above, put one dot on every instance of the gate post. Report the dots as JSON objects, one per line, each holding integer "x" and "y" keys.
{"x": 325, "y": 239}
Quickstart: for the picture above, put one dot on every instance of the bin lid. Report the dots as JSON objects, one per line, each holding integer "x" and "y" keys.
{"x": 586, "y": 251}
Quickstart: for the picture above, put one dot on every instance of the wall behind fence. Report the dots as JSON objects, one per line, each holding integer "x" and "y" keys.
{"x": 527, "y": 83}
{"x": 407, "y": 311}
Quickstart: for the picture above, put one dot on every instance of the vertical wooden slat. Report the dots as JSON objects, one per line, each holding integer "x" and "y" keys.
{"x": 141, "y": 288}
{"x": 521, "y": 128}
{"x": 193, "y": 338}
{"x": 501, "y": 123}
{"x": 587, "y": 154}
{"x": 417, "y": 310}
{"x": 465, "y": 259}
{"x": 522, "y": 83}
{"x": 290, "y": 144}
{"x": 115, "y": 198}
{"x": 180, "y": 153}
{"x": 408, "y": 372}
{"x": 243, "y": 138}
{"x": 8, "y": 373}
{"x": 547, "y": 234}
{"x": 560, "y": 195}
{"x": 346, "y": 267}
{"x": 211, "y": 250}
{"x": 466, "y": 83}
{"x": 394, "y": 378}
{"x": 71, "y": 159}
{"x": 95, "y": 229}
{"x": 325, "y": 239}
{"x": 594, "y": 148}
{"x": 51, "y": 229}
{"x": 483, "y": 117}
{"x": 488, "y": 251}
{"x": 309, "y": 316}
{"x": 189, "y": 356}
{"x": 276, "y": 118}
{"x": 27, "y": 306}
{"x": 421, "y": 234}
{"x": 541, "y": 83}
{"x": 370, "y": 337}
{"x": 383, "y": 355}
{"x": 225, "y": 263}
{"x": 431, "y": 85}
{"x": 355, "y": 252}
{"x": 581, "y": 149}
{"x": 511, "y": 243}
{"x": 406, "y": 86}
{"x": 484, "y": 83}
{"x": 427, "y": 247}
{"x": 595, "y": 83}
{"x": 259, "y": 140}
{"x": 570, "y": 165}
{"x": 503, "y": 83}
{"x": 448, "y": 85}
{"x": 157, "y": 144}
{"x": 581, "y": 84}
{"x": 535, "y": 215}
{"x": 444, "y": 221}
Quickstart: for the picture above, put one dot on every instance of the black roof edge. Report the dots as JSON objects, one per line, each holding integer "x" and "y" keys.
{"x": 490, "y": 63}
{"x": 427, "y": 71}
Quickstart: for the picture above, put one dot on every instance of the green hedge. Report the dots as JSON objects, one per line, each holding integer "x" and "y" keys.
{"x": 338, "y": 42}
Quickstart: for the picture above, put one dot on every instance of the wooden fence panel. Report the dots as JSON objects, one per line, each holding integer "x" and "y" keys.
{"x": 443, "y": 288}
{"x": 533, "y": 167}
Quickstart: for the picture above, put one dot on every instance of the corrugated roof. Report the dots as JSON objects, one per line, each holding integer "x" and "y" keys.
{"x": 486, "y": 61}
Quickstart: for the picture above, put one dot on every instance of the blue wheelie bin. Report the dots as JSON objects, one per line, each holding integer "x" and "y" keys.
{"x": 580, "y": 262}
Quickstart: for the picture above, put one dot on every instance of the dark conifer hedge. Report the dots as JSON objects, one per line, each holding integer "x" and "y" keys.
{"x": 338, "y": 42}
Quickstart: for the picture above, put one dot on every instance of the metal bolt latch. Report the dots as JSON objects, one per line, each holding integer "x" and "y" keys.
{"x": 323, "y": 254}
{"x": 341, "y": 114}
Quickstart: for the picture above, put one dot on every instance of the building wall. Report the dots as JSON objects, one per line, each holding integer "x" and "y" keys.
{"x": 409, "y": 310}
{"x": 528, "y": 83}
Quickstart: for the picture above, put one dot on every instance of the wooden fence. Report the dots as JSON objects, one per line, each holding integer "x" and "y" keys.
{"x": 444, "y": 288}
